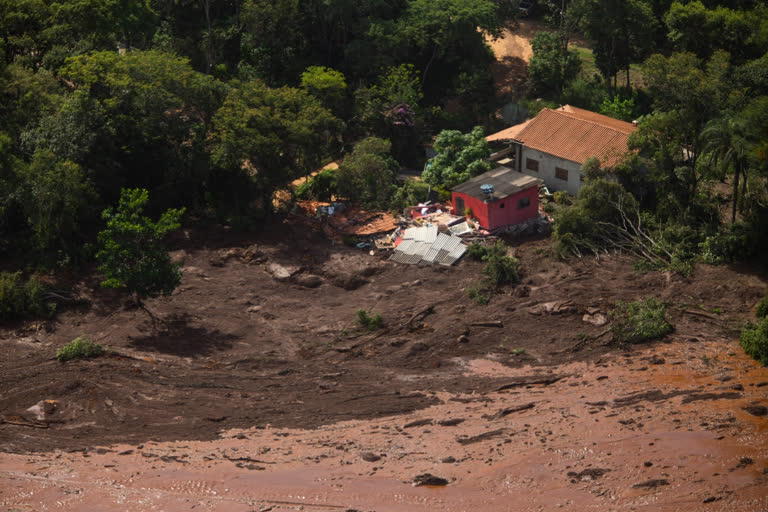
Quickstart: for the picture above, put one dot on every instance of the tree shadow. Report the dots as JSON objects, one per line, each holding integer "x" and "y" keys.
{"x": 183, "y": 339}
{"x": 510, "y": 74}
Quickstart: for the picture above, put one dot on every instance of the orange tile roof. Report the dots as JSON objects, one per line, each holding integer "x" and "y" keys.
{"x": 361, "y": 223}
{"x": 575, "y": 134}
{"x": 509, "y": 133}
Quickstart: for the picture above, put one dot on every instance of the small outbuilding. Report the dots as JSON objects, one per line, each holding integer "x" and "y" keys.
{"x": 500, "y": 197}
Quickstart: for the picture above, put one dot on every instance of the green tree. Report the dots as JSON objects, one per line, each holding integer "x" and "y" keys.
{"x": 437, "y": 27}
{"x": 551, "y": 67}
{"x": 132, "y": 256}
{"x": 725, "y": 140}
{"x": 695, "y": 28}
{"x": 272, "y": 135}
{"x": 55, "y": 196}
{"x": 273, "y": 42}
{"x": 367, "y": 174}
{"x": 619, "y": 108}
{"x": 147, "y": 115}
{"x": 326, "y": 84}
{"x": 459, "y": 157}
{"x": 623, "y": 31}
{"x": 687, "y": 94}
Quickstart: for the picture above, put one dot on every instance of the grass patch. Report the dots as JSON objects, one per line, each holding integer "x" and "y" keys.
{"x": 638, "y": 321}
{"x": 369, "y": 322}
{"x": 79, "y": 348}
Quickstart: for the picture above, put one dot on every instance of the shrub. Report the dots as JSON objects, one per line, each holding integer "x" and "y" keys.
{"x": 500, "y": 269}
{"x": 480, "y": 293}
{"x": 638, "y": 321}
{"x": 562, "y": 197}
{"x": 369, "y": 322}
{"x": 20, "y": 298}
{"x": 321, "y": 187}
{"x": 754, "y": 340}
{"x": 79, "y": 348}
{"x": 761, "y": 311}
{"x": 476, "y": 251}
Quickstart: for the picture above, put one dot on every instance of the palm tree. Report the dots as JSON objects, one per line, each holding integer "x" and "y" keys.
{"x": 725, "y": 139}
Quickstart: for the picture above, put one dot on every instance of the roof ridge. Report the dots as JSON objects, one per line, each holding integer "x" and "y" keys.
{"x": 591, "y": 121}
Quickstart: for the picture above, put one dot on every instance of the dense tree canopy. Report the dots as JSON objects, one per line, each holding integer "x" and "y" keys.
{"x": 459, "y": 157}
{"x": 215, "y": 105}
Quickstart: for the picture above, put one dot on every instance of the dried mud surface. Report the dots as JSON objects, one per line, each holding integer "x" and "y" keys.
{"x": 261, "y": 392}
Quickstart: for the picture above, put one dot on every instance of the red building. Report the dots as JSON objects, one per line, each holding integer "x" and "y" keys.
{"x": 497, "y": 198}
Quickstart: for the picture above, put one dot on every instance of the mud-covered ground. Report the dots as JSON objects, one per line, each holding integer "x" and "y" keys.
{"x": 260, "y": 345}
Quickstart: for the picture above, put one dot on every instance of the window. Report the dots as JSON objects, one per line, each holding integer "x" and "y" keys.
{"x": 523, "y": 202}
{"x": 531, "y": 164}
{"x": 561, "y": 174}
{"x": 459, "y": 202}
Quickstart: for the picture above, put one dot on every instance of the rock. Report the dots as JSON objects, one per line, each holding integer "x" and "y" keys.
{"x": 447, "y": 460}
{"x": 651, "y": 484}
{"x": 647, "y": 464}
{"x": 309, "y": 280}
{"x": 463, "y": 339}
{"x": 450, "y": 422}
{"x": 597, "y": 319}
{"x": 522, "y": 291}
{"x": 193, "y": 271}
{"x": 253, "y": 254}
{"x": 657, "y": 360}
{"x": 428, "y": 479}
{"x": 756, "y": 410}
{"x": 282, "y": 272}
{"x": 42, "y": 409}
{"x": 348, "y": 282}
{"x": 417, "y": 347}
{"x": 254, "y": 309}
{"x": 588, "y": 474}
{"x": 369, "y": 457}
{"x": 553, "y": 308}
{"x": 418, "y": 423}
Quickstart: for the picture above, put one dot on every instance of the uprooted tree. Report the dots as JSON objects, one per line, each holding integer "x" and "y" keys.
{"x": 132, "y": 256}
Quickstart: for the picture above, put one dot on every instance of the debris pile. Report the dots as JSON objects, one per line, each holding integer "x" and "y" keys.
{"x": 426, "y": 246}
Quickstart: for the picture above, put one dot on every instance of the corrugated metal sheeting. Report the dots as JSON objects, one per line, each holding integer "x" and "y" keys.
{"x": 425, "y": 246}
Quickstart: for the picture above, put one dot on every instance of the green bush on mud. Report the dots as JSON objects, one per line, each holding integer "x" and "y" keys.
{"x": 761, "y": 311}
{"x": 369, "y": 322}
{"x": 79, "y": 348}
{"x": 754, "y": 340}
{"x": 638, "y": 321}
{"x": 480, "y": 293}
{"x": 19, "y": 298}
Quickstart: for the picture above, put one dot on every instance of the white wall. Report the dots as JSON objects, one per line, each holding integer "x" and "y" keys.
{"x": 547, "y": 164}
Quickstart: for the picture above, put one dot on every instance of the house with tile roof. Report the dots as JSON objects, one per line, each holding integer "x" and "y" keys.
{"x": 553, "y": 145}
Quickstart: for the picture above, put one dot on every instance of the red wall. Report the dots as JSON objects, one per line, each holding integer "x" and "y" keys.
{"x": 492, "y": 215}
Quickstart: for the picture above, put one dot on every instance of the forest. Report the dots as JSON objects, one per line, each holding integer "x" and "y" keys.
{"x": 213, "y": 105}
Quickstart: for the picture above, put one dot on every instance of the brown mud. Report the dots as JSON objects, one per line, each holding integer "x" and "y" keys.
{"x": 260, "y": 390}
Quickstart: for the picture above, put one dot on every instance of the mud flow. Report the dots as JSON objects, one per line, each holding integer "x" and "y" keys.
{"x": 263, "y": 394}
